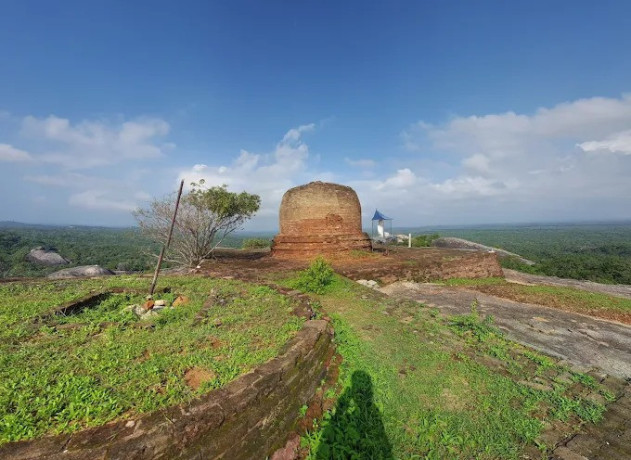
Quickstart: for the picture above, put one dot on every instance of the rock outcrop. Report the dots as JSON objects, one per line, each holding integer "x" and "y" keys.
{"x": 84, "y": 271}
{"x": 459, "y": 243}
{"x": 319, "y": 218}
{"x": 47, "y": 257}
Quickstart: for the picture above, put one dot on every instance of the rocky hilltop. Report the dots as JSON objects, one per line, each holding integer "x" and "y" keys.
{"x": 47, "y": 257}
{"x": 81, "y": 272}
{"x": 459, "y": 243}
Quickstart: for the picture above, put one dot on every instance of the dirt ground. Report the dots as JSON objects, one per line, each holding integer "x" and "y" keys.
{"x": 416, "y": 264}
{"x": 582, "y": 341}
{"x": 618, "y": 290}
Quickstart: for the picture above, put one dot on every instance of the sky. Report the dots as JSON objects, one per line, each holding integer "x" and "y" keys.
{"x": 435, "y": 112}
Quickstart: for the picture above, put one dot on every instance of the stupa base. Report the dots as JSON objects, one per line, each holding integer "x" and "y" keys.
{"x": 309, "y": 246}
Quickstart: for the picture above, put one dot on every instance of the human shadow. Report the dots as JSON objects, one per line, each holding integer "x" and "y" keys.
{"x": 356, "y": 430}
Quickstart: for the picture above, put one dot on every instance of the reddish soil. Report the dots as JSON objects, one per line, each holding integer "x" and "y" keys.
{"x": 196, "y": 376}
{"x": 415, "y": 264}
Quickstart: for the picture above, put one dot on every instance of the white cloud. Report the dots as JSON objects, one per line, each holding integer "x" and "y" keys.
{"x": 530, "y": 166}
{"x": 404, "y": 178}
{"x": 268, "y": 175}
{"x": 90, "y": 144}
{"x": 11, "y": 154}
{"x": 617, "y": 143}
{"x": 98, "y": 200}
{"x": 478, "y": 163}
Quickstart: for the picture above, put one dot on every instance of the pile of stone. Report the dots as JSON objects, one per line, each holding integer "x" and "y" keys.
{"x": 153, "y": 307}
{"x": 369, "y": 283}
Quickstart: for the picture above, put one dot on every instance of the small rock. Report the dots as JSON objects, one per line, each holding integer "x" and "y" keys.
{"x": 149, "y": 314}
{"x": 130, "y": 423}
{"x": 160, "y": 303}
{"x": 368, "y": 283}
{"x": 157, "y": 308}
{"x": 217, "y": 322}
{"x": 180, "y": 300}
{"x": 138, "y": 310}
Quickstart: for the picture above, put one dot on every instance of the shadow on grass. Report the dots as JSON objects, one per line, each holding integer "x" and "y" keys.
{"x": 356, "y": 430}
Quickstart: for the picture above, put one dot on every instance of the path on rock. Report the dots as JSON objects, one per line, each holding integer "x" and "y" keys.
{"x": 582, "y": 341}
{"x": 618, "y": 290}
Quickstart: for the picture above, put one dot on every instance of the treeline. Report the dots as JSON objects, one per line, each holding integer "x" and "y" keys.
{"x": 116, "y": 249}
{"x": 595, "y": 252}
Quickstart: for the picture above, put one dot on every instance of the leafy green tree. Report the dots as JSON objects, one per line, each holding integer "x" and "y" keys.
{"x": 424, "y": 241}
{"x": 205, "y": 217}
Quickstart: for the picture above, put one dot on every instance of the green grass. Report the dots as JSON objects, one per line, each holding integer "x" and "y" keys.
{"x": 560, "y": 297}
{"x": 55, "y": 378}
{"x": 433, "y": 387}
{"x": 472, "y": 281}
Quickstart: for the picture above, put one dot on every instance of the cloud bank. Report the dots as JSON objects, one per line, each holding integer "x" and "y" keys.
{"x": 571, "y": 161}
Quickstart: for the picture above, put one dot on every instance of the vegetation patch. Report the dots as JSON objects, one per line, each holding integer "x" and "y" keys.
{"x": 60, "y": 373}
{"x": 415, "y": 385}
{"x": 318, "y": 278}
{"x": 564, "y": 298}
{"x": 256, "y": 243}
{"x": 595, "y": 252}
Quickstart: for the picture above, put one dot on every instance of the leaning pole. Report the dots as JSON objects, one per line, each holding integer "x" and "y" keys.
{"x": 166, "y": 245}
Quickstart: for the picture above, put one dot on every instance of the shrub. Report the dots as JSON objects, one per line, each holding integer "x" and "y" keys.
{"x": 256, "y": 243}
{"x": 424, "y": 241}
{"x": 316, "y": 278}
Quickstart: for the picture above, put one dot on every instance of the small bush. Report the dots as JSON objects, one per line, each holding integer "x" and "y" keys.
{"x": 316, "y": 278}
{"x": 256, "y": 243}
{"x": 424, "y": 241}
{"x": 480, "y": 328}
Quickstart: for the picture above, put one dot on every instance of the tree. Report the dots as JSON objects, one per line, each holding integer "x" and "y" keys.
{"x": 205, "y": 217}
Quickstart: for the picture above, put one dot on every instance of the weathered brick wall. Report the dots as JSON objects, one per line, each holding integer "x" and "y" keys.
{"x": 320, "y": 208}
{"x": 319, "y": 218}
{"x": 467, "y": 264}
{"x": 247, "y": 419}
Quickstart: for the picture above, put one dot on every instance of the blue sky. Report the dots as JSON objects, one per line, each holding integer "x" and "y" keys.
{"x": 438, "y": 113}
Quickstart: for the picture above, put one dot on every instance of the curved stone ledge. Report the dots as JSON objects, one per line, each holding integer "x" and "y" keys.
{"x": 248, "y": 418}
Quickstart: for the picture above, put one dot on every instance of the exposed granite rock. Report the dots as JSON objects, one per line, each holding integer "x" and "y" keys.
{"x": 47, "y": 257}
{"x": 81, "y": 272}
{"x": 459, "y": 243}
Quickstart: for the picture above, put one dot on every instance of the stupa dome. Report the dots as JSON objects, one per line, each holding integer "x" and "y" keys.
{"x": 319, "y": 218}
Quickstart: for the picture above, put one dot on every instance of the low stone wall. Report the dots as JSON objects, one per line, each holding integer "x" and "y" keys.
{"x": 441, "y": 266}
{"x": 248, "y": 418}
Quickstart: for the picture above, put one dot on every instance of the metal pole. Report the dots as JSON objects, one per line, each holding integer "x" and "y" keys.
{"x": 166, "y": 245}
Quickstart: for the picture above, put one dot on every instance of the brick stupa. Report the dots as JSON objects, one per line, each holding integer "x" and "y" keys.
{"x": 319, "y": 218}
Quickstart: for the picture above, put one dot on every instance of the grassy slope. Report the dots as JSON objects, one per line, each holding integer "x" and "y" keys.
{"x": 54, "y": 379}
{"x": 564, "y": 298}
{"x": 441, "y": 390}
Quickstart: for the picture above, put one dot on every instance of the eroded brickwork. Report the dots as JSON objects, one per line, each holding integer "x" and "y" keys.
{"x": 319, "y": 218}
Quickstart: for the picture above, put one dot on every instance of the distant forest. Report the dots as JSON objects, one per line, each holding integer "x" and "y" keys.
{"x": 122, "y": 249}
{"x": 116, "y": 249}
{"x": 596, "y": 252}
